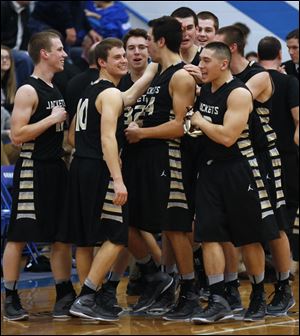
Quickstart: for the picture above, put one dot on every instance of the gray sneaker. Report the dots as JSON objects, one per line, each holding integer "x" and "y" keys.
{"x": 217, "y": 309}
{"x": 62, "y": 307}
{"x": 155, "y": 286}
{"x": 85, "y": 306}
{"x": 282, "y": 301}
{"x": 233, "y": 297}
{"x": 164, "y": 303}
{"x": 13, "y": 310}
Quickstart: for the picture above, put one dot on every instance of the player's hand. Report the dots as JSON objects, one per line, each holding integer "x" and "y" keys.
{"x": 194, "y": 71}
{"x": 120, "y": 197}
{"x": 133, "y": 133}
{"x": 59, "y": 114}
{"x": 196, "y": 119}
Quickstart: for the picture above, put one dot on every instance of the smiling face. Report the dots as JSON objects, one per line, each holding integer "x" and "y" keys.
{"x": 137, "y": 52}
{"x": 211, "y": 66}
{"x": 116, "y": 63}
{"x": 206, "y": 31}
{"x": 56, "y": 55}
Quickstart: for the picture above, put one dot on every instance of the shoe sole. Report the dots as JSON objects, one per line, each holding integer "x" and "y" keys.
{"x": 20, "y": 318}
{"x": 154, "y": 298}
{"x": 203, "y": 320}
{"x": 80, "y": 314}
{"x": 281, "y": 313}
{"x": 253, "y": 319}
{"x": 188, "y": 319}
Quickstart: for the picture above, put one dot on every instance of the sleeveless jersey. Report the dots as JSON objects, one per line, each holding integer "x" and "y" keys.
{"x": 263, "y": 135}
{"x": 213, "y": 106}
{"x": 134, "y": 112}
{"x": 159, "y": 104}
{"x": 48, "y": 145}
{"x": 88, "y": 119}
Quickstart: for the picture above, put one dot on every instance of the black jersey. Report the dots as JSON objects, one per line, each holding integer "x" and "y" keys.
{"x": 262, "y": 134}
{"x": 213, "y": 106}
{"x": 134, "y": 112}
{"x": 196, "y": 59}
{"x": 88, "y": 119}
{"x": 159, "y": 108}
{"x": 286, "y": 97}
{"x": 48, "y": 145}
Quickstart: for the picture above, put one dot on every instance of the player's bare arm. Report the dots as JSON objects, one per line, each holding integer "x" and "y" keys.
{"x": 140, "y": 86}
{"x": 260, "y": 86}
{"x": 239, "y": 106}
{"x": 26, "y": 101}
{"x": 110, "y": 104}
{"x": 182, "y": 90}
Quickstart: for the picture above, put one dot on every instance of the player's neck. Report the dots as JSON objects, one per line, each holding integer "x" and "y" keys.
{"x": 136, "y": 74}
{"x": 238, "y": 64}
{"x": 225, "y": 77}
{"x": 188, "y": 55}
{"x": 44, "y": 74}
{"x": 169, "y": 58}
{"x": 104, "y": 75}
{"x": 270, "y": 64}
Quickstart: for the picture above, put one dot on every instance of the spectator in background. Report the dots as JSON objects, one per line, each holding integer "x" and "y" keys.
{"x": 108, "y": 18}
{"x": 82, "y": 60}
{"x": 15, "y": 35}
{"x": 64, "y": 18}
{"x": 291, "y": 67}
{"x": 5, "y": 137}
{"x": 251, "y": 56}
{"x": 8, "y": 78}
{"x": 9, "y": 151}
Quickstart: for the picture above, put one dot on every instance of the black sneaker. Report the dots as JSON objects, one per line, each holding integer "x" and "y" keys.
{"x": 185, "y": 307}
{"x": 106, "y": 296}
{"x": 257, "y": 307}
{"x": 282, "y": 301}
{"x": 86, "y": 307}
{"x": 164, "y": 302}
{"x": 156, "y": 285}
{"x": 62, "y": 306}
{"x": 218, "y": 309}
{"x": 13, "y": 310}
{"x": 233, "y": 297}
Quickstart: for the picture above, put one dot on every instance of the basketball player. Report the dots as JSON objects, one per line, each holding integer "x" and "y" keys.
{"x": 259, "y": 82}
{"x": 160, "y": 198}
{"x": 230, "y": 176}
{"x": 40, "y": 176}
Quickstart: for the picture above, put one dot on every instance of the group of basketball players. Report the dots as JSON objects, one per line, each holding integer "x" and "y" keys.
{"x": 135, "y": 173}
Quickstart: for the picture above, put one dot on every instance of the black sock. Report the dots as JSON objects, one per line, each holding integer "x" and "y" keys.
{"x": 235, "y": 283}
{"x": 283, "y": 282}
{"x": 258, "y": 287}
{"x": 85, "y": 290}
{"x": 63, "y": 288}
{"x": 218, "y": 288}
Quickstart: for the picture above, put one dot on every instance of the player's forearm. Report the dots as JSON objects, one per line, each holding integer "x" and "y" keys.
{"x": 217, "y": 133}
{"x": 31, "y": 131}
{"x": 111, "y": 156}
{"x": 169, "y": 130}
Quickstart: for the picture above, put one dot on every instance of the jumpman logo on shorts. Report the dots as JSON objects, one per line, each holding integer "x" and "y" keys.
{"x": 163, "y": 173}
{"x": 250, "y": 188}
